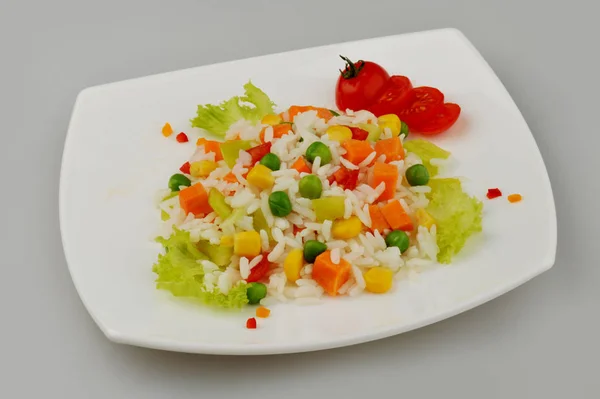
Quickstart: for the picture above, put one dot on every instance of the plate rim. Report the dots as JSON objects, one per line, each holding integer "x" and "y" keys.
{"x": 330, "y": 343}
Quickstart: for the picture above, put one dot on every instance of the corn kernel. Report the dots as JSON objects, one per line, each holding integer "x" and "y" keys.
{"x": 167, "y": 130}
{"x": 261, "y": 177}
{"x": 227, "y": 241}
{"x": 247, "y": 244}
{"x": 378, "y": 279}
{"x": 339, "y": 133}
{"x": 293, "y": 264}
{"x": 202, "y": 168}
{"x": 271, "y": 119}
{"x": 346, "y": 228}
{"x": 390, "y": 121}
{"x": 424, "y": 219}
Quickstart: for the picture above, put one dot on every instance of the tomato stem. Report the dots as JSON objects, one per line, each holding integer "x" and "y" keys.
{"x": 351, "y": 70}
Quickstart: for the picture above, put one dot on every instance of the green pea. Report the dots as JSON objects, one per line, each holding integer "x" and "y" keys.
{"x": 312, "y": 249}
{"x": 417, "y": 175}
{"x": 404, "y": 129}
{"x": 318, "y": 149}
{"x": 178, "y": 180}
{"x": 271, "y": 161}
{"x": 310, "y": 187}
{"x": 397, "y": 238}
{"x": 255, "y": 292}
{"x": 280, "y": 204}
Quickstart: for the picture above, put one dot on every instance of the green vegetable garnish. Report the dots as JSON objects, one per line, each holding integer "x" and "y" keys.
{"x": 178, "y": 180}
{"x": 231, "y": 150}
{"x": 280, "y": 203}
{"x": 374, "y": 131}
{"x": 318, "y": 149}
{"x": 334, "y": 113}
{"x": 417, "y": 175}
{"x": 216, "y": 200}
{"x": 259, "y": 222}
{"x": 456, "y": 214}
{"x": 397, "y": 238}
{"x": 404, "y": 129}
{"x": 310, "y": 187}
{"x": 180, "y": 273}
{"x": 426, "y": 151}
{"x": 218, "y": 118}
{"x": 220, "y": 255}
{"x": 329, "y": 208}
{"x": 312, "y": 249}
{"x": 255, "y": 292}
{"x": 271, "y": 161}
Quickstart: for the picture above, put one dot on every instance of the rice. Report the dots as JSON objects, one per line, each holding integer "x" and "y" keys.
{"x": 366, "y": 250}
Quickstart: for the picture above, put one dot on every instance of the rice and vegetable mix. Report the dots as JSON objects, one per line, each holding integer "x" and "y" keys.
{"x": 303, "y": 204}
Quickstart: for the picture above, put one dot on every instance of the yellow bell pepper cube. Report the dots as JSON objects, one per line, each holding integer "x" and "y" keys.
{"x": 339, "y": 133}
{"x": 293, "y": 264}
{"x": 227, "y": 241}
{"x": 271, "y": 119}
{"x": 378, "y": 279}
{"x": 424, "y": 219}
{"x": 346, "y": 228}
{"x": 390, "y": 121}
{"x": 247, "y": 244}
{"x": 261, "y": 177}
{"x": 202, "y": 168}
{"x": 167, "y": 130}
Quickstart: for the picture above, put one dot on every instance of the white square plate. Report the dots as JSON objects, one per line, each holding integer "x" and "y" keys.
{"x": 115, "y": 159}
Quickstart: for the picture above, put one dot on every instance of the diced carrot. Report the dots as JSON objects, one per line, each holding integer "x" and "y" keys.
{"x": 387, "y": 174}
{"x": 230, "y": 178}
{"x": 194, "y": 199}
{"x": 329, "y": 275}
{"x": 514, "y": 198}
{"x": 391, "y": 148}
{"x": 211, "y": 146}
{"x": 322, "y": 113}
{"x": 278, "y": 131}
{"x": 396, "y": 216}
{"x": 357, "y": 150}
{"x": 301, "y": 165}
{"x": 378, "y": 222}
{"x": 262, "y": 312}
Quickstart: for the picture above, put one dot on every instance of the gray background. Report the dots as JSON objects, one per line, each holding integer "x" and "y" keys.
{"x": 541, "y": 340}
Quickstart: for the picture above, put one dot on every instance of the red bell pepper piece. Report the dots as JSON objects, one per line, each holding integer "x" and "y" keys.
{"x": 258, "y": 152}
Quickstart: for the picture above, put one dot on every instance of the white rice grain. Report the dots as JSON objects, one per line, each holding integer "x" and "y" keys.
{"x": 347, "y": 208}
{"x": 264, "y": 240}
{"x": 349, "y": 165}
{"x": 277, "y": 251}
{"x": 326, "y": 229}
{"x": 244, "y": 267}
{"x": 367, "y": 161}
{"x": 335, "y": 256}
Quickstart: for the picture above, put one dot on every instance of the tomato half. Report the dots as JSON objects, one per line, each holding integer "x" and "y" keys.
{"x": 427, "y": 102}
{"x": 441, "y": 121}
{"x": 359, "y": 84}
{"x": 397, "y": 94}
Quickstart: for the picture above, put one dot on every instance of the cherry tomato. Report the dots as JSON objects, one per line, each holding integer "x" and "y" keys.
{"x": 359, "y": 84}
{"x": 358, "y": 133}
{"x": 259, "y": 271}
{"x": 258, "y": 152}
{"x": 428, "y": 101}
{"x": 441, "y": 121}
{"x": 397, "y": 94}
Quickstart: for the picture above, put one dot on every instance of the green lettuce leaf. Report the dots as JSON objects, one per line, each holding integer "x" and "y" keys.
{"x": 179, "y": 272}
{"x": 252, "y": 106}
{"x": 457, "y": 216}
{"x": 426, "y": 150}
